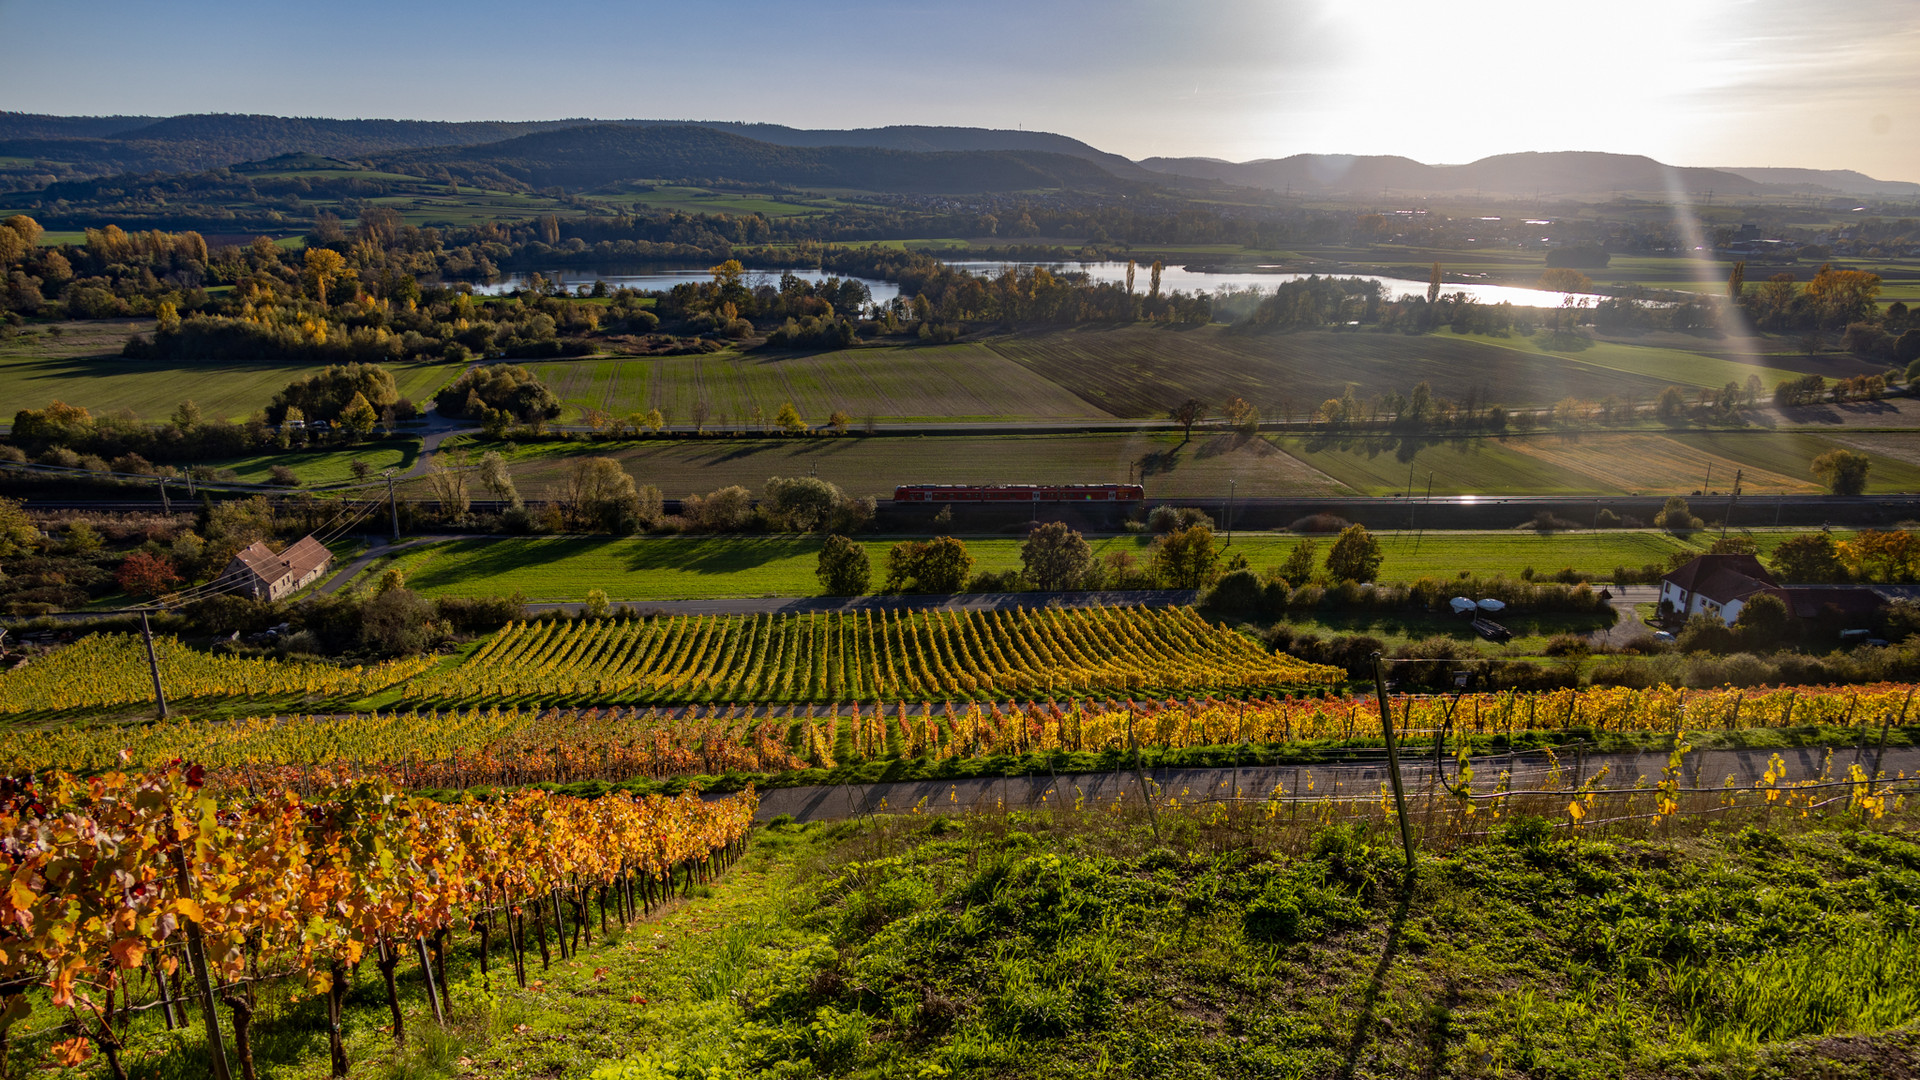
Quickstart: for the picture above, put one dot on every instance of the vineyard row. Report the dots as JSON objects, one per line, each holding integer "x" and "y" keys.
{"x": 868, "y": 656}
{"x": 458, "y": 748}
{"x": 125, "y": 891}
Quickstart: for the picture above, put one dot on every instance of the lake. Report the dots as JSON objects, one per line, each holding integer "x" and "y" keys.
{"x": 1173, "y": 278}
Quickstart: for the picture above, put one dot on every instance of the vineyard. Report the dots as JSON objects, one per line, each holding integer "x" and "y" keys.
{"x": 105, "y": 670}
{"x": 461, "y": 748}
{"x": 126, "y": 892}
{"x": 868, "y": 656}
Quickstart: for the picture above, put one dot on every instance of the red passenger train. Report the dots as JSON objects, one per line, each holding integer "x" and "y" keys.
{"x": 1018, "y": 493}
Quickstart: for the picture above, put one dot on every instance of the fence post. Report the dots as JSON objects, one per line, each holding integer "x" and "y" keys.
{"x": 1393, "y": 761}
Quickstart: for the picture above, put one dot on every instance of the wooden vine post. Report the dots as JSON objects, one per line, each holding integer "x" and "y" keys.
{"x": 197, "y": 955}
{"x": 1393, "y": 761}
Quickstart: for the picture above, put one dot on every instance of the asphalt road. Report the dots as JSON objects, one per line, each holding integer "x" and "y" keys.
{"x": 1537, "y": 771}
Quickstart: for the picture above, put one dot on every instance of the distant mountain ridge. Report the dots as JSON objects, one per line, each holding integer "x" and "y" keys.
{"x": 1570, "y": 172}
{"x": 214, "y": 140}
{"x": 985, "y": 158}
{"x": 1551, "y": 173}
{"x": 1844, "y": 181}
{"x": 588, "y": 157}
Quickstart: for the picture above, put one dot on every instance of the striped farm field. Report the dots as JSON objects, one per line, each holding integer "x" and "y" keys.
{"x": 889, "y": 383}
{"x": 1170, "y": 467}
{"x": 1142, "y": 371}
{"x": 1649, "y": 463}
{"x": 865, "y": 656}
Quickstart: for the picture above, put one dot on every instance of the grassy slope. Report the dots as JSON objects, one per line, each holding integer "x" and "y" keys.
{"x": 672, "y": 568}
{"x": 1067, "y": 945}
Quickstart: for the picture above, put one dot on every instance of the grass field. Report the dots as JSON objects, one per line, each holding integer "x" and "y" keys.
{"x": 894, "y": 383}
{"x": 1682, "y": 367}
{"x": 326, "y": 466}
{"x": 1382, "y": 465}
{"x": 1896, "y": 455}
{"x": 1602, "y": 463}
{"x": 83, "y": 367}
{"x": 875, "y": 466}
{"x": 692, "y": 568}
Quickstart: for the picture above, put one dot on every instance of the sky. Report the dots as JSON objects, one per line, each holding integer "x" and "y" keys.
{"x": 1689, "y": 82}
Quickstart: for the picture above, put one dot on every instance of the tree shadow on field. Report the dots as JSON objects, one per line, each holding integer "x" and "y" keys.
{"x": 1363, "y": 1022}
{"x": 718, "y": 555}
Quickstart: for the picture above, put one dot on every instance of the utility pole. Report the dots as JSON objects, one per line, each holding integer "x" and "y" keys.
{"x": 1708, "y": 487}
{"x": 165, "y": 505}
{"x": 153, "y": 665}
{"x": 1731, "y": 499}
{"x": 1230, "y": 485}
{"x": 393, "y": 505}
{"x": 1409, "y": 496}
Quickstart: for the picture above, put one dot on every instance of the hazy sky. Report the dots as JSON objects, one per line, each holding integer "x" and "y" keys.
{"x": 1692, "y": 82}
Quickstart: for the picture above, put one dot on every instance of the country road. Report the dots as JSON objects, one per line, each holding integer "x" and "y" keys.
{"x": 1533, "y": 770}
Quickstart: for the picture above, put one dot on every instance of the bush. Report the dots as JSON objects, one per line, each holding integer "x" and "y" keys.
{"x": 480, "y": 615}
{"x": 1239, "y": 591}
{"x": 398, "y": 622}
{"x": 1319, "y": 523}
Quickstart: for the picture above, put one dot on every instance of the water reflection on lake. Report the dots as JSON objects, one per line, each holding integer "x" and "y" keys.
{"x": 1172, "y": 278}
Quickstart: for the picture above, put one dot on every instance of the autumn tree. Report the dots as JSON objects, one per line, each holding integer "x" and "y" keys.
{"x": 601, "y": 493}
{"x": 1564, "y": 280}
{"x": 1355, "y": 555}
{"x": 358, "y": 417}
{"x": 17, "y": 532}
{"x": 800, "y": 503}
{"x": 497, "y": 480}
{"x": 940, "y": 565}
{"x": 1186, "y": 558}
{"x": 788, "y": 420}
{"x": 1056, "y": 557}
{"x": 1808, "y": 559}
{"x": 144, "y": 574}
{"x": 1187, "y": 414}
{"x": 449, "y": 487}
{"x": 1843, "y": 471}
{"x": 1297, "y": 569}
{"x": 323, "y": 265}
{"x": 1244, "y": 417}
{"x": 844, "y": 569}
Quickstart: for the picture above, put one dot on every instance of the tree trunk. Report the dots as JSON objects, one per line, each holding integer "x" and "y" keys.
{"x": 388, "y": 960}
{"x": 242, "y": 1039}
{"x": 336, "y": 1003}
{"x": 440, "y": 970}
{"x": 540, "y": 933}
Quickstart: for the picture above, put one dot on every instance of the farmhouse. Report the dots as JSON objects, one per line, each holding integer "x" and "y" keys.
{"x": 1718, "y": 585}
{"x": 269, "y": 575}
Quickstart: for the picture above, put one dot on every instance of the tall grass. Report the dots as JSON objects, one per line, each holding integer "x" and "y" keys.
{"x": 1864, "y": 982}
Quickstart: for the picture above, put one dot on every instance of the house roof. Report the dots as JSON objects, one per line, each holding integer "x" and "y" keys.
{"x": 1723, "y": 578}
{"x": 1848, "y": 601}
{"x": 301, "y": 557}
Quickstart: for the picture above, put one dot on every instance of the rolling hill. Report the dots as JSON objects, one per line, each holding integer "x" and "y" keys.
{"x": 1562, "y": 173}
{"x": 587, "y": 157}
